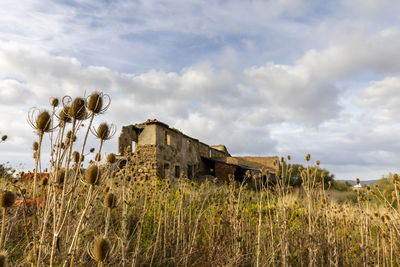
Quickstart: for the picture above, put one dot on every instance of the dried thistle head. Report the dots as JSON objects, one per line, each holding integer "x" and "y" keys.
{"x": 101, "y": 249}
{"x": 98, "y": 102}
{"x": 4, "y": 138}
{"x": 104, "y": 131}
{"x": 76, "y": 156}
{"x": 60, "y": 176}
{"x": 111, "y": 158}
{"x": 77, "y": 109}
{"x": 54, "y": 102}
{"x": 317, "y": 162}
{"x": 289, "y": 157}
{"x": 63, "y": 116}
{"x": 395, "y": 178}
{"x": 40, "y": 121}
{"x": 35, "y": 146}
{"x": 308, "y": 157}
{"x": 7, "y": 199}
{"x": 110, "y": 200}
{"x": 98, "y": 157}
{"x": 92, "y": 174}
{"x": 357, "y": 181}
{"x": 91, "y": 150}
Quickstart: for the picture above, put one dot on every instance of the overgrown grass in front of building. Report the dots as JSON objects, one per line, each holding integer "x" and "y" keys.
{"x": 105, "y": 216}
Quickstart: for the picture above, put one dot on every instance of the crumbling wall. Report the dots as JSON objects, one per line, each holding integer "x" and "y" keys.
{"x": 127, "y": 136}
{"x": 145, "y": 161}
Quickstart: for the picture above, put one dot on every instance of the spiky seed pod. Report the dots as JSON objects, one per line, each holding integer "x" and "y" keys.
{"x": 104, "y": 131}
{"x": 91, "y": 150}
{"x": 69, "y": 134}
{"x": 77, "y": 110}
{"x": 44, "y": 181}
{"x": 92, "y": 174}
{"x": 60, "y": 176}
{"x": 82, "y": 158}
{"x": 3, "y": 259}
{"x": 7, "y": 199}
{"x": 289, "y": 157}
{"x": 54, "y": 102}
{"x": 4, "y": 138}
{"x": 95, "y": 103}
{"x": 43, "y": 121}
{"x": 282, "y": 159}
{"x": 101, "y": 249}
{"x": 76, "y": 156}
{"x": 111, "y": 158}
{"x": 395, "y": 178}
{"x": 35, "y": 146}
{"x": 110, "y": 200}
{"x": 63, "y": 115}
{"x": 357, "y": 181}
{"x": 98, "y": 157}
{"x": 308, "y": 157}
{"x": 317, "y": 162}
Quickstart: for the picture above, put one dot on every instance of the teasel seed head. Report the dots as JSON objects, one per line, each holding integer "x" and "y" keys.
{"x": 76, "y": 156}
{"x": 63, "y": 116}
{"x": 71, "y": 136}
{"x": 92, "y": 174}
{"x": 7, "y": 199}
{"x": 91, "y": 150}
{"x": 77, "y": 110}
{"x": 43, "y": 122}
{"x": 317, "y": 162}
{"x": 3, "y": 259}
{"x": 54, "y": 102}
{"x": 395, "y": 178}
{"x": 101, "y": 249}
{"x": 289, "y": 157}
{"x": 110, "y": 200}
{"x": 98, "y": 157}
{"x": 60, "y": 176}
{"x": 308, "y": 157}
{"x": 35, "y": 146}
{"x": 96, "y": 102}
{"x": 111, "y": 158}
{"x": 4, "y": 138}
{"x": 357, "y": 181}
{"x": 104, "y": 131}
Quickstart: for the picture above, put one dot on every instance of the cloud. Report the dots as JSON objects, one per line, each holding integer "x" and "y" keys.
{"x": 262, "y": 77}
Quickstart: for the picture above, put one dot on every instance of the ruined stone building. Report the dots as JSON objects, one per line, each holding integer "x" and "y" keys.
{"x": 164, "y": 152}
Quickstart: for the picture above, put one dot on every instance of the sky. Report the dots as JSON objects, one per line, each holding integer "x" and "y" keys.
{"x": 282, "y": 77}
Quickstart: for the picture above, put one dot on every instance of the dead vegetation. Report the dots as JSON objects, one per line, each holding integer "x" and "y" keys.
{"x": 107, "y": 216}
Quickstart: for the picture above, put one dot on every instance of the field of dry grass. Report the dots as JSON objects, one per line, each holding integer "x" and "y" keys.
{"x": 105, "y": 216}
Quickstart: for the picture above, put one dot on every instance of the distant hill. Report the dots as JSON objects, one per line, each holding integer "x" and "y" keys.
{"x": 353, "y": 182}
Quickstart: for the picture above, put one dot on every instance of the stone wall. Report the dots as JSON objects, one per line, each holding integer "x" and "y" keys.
{"x": 145, "y": 161}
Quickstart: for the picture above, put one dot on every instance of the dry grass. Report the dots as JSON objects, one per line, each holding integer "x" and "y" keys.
{"x": 110, "y": 217}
